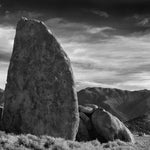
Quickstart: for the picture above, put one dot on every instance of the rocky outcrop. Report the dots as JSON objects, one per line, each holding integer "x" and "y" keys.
{"x": 100, "y": 124}
{"x": 39, "y": 96}
{"x": 85, "y": 131}
{"x": 110, "y": 127}
{"x": 126, "y": 105}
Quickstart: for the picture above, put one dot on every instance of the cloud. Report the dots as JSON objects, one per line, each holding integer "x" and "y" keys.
{"x": 84, "y": 84}
{"x": 101, "y": 55}
{"x": 4, "y": 56}
{"x": 138, "y": 81}
{"x": 3, "y": 74}
{"x": 98, "y": 29}
{"x": 78, "y": 31}
{"x": 140, "y": 22}
{"x": 6, "y": 39}
{"x": 6, "y": 45}
{"x": 10, "y": 19}
{"x": 100, "y": 13}
{"x": 143, "y": 22}
{"x": 119, "y": 62}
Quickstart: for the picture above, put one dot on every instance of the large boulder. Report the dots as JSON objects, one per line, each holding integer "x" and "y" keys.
{"x": 86, "y": 120}
{"x": 83, "y": 133}
{"x": 86, "y": 131}
{"x": 110, "y": 127}
{"x": 40, "y": 97}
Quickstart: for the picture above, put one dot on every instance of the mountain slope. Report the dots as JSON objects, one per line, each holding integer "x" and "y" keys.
{"x": 126, "y": 105}
{"x": 140, "y": 124}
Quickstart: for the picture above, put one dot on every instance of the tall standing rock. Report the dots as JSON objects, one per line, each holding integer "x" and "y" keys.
{"x": 39, "y": 97}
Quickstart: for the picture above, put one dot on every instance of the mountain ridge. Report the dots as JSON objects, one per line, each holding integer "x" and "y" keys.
{"x": 124, "y": 104}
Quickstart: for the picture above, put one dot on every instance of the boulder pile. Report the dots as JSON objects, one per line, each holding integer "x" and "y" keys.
{"x": 97, "y": 123}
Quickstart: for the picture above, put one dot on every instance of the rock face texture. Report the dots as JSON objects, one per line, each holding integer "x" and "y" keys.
{"x": 39, "y": 97}
{"x": 110, "y": 127}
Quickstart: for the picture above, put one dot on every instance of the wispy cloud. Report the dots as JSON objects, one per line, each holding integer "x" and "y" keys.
{"x": 101, "y": 55}
{"x": 100, "y": 13}
{"x": 84, "y": 84}
{"x": 96, "y": 30}
{"x": 106, "y": 60}
{"x": 6, "y": 39}
{"x": 78, "y": 32}
{"x": 140, "y": 20}
{"x": 3, "y": 74}
{"x": 144, "y": 22}
{"x": 137, "y": 81}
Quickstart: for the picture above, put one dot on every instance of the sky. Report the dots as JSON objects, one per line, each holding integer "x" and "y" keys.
{"x": 108, "y": 42}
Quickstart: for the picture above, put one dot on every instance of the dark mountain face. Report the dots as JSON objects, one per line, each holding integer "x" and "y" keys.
{"x": 126, "y": 105}
{"x": 140, "y": 124}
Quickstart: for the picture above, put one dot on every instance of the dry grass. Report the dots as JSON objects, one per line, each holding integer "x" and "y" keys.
{"x": 31, "y": 142}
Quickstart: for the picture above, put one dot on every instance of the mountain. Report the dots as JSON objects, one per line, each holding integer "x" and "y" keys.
{"x": 140, "y": 124}
{"x": 126, "y": 105}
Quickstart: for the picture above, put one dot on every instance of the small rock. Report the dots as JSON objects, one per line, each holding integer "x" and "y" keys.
{"x": 92, "y": 106}
{"x": 86, "y": 109}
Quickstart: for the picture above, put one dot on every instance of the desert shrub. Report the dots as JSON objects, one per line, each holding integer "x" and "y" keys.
{"x": 31, "y": 142}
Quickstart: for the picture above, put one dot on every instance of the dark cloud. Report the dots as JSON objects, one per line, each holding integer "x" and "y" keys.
{"x": 104, "y": 47}
{"x": 125, "y": 6}
{"x": 4, "y": 56}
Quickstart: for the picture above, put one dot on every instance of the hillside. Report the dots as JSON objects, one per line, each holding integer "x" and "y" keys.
{"x": 140, "y": 124}
{"x": 126, "y": 105}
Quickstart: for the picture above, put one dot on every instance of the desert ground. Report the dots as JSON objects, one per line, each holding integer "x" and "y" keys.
{"x": 31, "y": 142}
{"x": 107, "y": 46}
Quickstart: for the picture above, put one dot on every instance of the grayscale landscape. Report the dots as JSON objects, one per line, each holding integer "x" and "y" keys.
{"x": 74, "y": 74}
